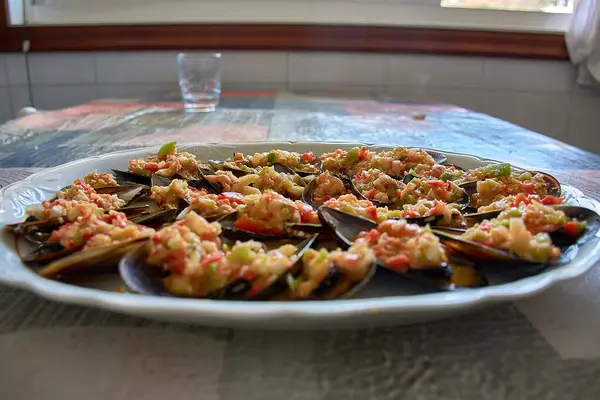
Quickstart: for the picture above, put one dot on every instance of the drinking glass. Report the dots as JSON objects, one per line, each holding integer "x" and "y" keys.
{"x": 200, "y": 81}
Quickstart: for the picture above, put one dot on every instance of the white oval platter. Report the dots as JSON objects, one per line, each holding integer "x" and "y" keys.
{"x": 385, "y": 302}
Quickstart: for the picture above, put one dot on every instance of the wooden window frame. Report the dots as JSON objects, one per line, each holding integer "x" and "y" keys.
{"x": 281, "y": 37}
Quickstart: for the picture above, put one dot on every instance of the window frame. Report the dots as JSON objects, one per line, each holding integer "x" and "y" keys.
{"x": 289, "y": 36}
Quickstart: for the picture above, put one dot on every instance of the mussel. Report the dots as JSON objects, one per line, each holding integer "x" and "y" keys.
{"x": 236, "y": 169}
{"x": 489, "y": 257}
{"x": 143, "y": 278}
{"x": 92, "y": 259}
{"x": 295, "y": 230}
{"x": 37, "y": 232}
{"x": 347, "y": 228}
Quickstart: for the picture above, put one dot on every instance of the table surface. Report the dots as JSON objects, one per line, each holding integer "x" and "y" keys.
{"x": 544, "y": 347}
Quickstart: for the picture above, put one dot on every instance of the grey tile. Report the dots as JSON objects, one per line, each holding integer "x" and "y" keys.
{"x": 584, "y": 122}
{"x": 254, "y": 67}
{"x": 136, "y": 67}
{"x": 544, "y": 113}
{"x": 353, "y": 69}
{"x": 132, "y": 90}
{"x": 6, "y": 112}
{"x": 56, "y": 97}
{"x": 62, "y": 68}
{"x": 529, "y": 75}
{"x": 425, "y": 70}
{"x": 19, "y": 96}
{"x": 16, "y": 68}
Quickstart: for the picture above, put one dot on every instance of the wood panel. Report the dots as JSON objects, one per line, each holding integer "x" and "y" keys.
{"x": 288, "y": 38}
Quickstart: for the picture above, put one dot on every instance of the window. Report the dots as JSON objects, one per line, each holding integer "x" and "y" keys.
{"x": 551, "y": 15}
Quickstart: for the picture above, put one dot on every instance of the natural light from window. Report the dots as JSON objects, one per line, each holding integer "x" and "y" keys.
{"x": 550, "y": 6}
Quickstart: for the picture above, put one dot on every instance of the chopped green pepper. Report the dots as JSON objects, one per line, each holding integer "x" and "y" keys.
{"x": 351, "y": 156}
{"x": 271, "y": 157}
{"x": 169, "y": 148}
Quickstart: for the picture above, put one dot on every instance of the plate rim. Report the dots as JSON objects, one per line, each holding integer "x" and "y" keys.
{"x": 24, "y": 278}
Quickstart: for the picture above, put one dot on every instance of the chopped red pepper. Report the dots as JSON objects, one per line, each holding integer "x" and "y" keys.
{"x": 399, "y": 262}
{"x": 550, "y": 200}
{"x": 572, "y": 228}
{"x": 308, "y": 157}
{"x": 371, "y": 193}
{"x": 371, "y": 212}
{"x": 214, "y": 257}
{"x": 152, "y": 167}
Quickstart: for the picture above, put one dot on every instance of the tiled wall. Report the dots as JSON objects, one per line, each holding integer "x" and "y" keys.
{"x": 540, "y": 95}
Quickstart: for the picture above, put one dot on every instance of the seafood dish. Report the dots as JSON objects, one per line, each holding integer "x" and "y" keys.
{"x": 289, "y": 226}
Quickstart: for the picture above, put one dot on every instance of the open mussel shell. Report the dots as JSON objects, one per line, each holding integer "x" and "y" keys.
{"x": 346, "y": 227}
{"x": 337, "y": 286}
{"x": 308, "y": 192}
{"x": 229, "y": 166}
{"x": 139, "y": 276}
{"x": 48, "y": 252}
{"x": 552, "y": 184}
{"x": 283, "y": 169}
{"x": 478, "y": 217}
{"x": 93, "y": 259}
{"x": 230, "y": 231}
{"x": 124, "y": 177}
{"x": 591, "y": 219}
{"x": 437, "y": 156}
{"x": 157, "y": 219}
{"x": 265, "y": 287}
{"x": 485, "y": 256}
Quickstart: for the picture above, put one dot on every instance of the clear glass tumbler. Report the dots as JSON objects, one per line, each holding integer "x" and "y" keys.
{"x": 200, "y": 81}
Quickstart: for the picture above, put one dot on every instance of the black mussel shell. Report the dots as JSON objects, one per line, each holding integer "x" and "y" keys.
{"x": 139, "y": 276}
{"x": 592, "y": 225}
{"x": 437, "y": 156}
{"x": 125, "y": 177}
{"x": 263, "y": 289}
{"x": 229, "y": 166}
{"x": 346, "y": 227}
{"x": 308, "y": 191}
{"x": 283, "y": 169}
{"x": 157, "y": 219}
{"x": 99, "y": 258}
{"x": 47, "y": 252}
{"x": 478, "y": 217}
{"x": 337, "y": 286}
{"x": 159, "y": 180}
{"x": 483, "y": 255}
{"x": 553, "y": 185}
{"x": 231, "y": 232}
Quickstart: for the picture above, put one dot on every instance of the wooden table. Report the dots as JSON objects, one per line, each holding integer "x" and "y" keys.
{"x": 546, "y": 347}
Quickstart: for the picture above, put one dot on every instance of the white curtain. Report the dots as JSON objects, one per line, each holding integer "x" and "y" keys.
{"x": 583, "y": 41}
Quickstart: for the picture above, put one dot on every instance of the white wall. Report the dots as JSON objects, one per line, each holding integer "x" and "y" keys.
{"x": 539, "y": 95}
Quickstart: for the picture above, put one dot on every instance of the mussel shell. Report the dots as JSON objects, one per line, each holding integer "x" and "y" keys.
{"x": 102, "y": 257}
{"x": 437, "y": 156}
{"x": 337, "y": 286}
{"x": 346, "y": 227}
{"x": 478, "y": 217}
{"x": 159, "y": 180}
{"x": 139, "y": 276}
{"x": 228, "y": 166}
{"x": 263, "y": 289}
{"x": 553, "y": 188}
{"x": 592, "y": 225}
{"x": 481, "y": 254}
{"x": 230, "y": 231}
{"x": 157, "y": 219}
{"x": 48, "y": 252}
{"x": 308, "y": 192}
{"x": 126, "y": 176}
